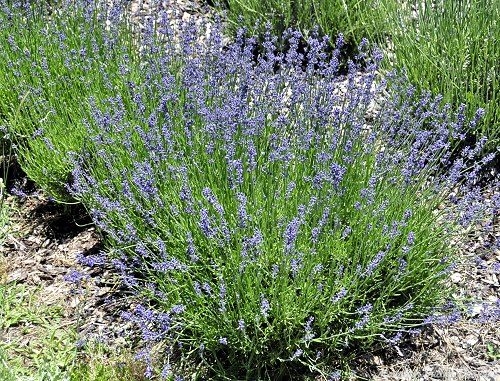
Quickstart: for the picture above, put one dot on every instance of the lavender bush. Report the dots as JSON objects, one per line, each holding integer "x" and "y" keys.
{"x": 276, "y": 215}
{"x": 53, "y": 58}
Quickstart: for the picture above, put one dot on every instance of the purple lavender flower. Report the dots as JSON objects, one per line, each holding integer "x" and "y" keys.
{"x": 264, "y": 307}
{"x": 75, "y": 277}
{"x": 289, "y": 189}
{"x": 295, "y": 265}
{"x": 317, "y": 269}
{"x": 145, "y": 356}
{"x": 153, "y": 325}
{"x": 335, "y": 376}
{"x": 339, "y": 295}
{"x": 298, "y": 353}
{"x": 275, "y": 270}
{"x": 407, "y": 215}
{"x": 395, "y": 339}
{"x": 166, "y": 371}
{"x": 290, "y": 234}
{"x": 242, "y": 212}
{"x": 443, "y": 319}
{"x": 205, "y": 224}
{"x": 18, "y": 192}
{"x": 197, "y": 288}
{"x": 309, "y": 334}
{"x": 141, "y": 249}
{"x": 241, "y": 325}
{"x": 167, "y": 265}
{"x": 143, "y": 179}
{"x": 256, "y": 240}
{"x": 495, "y": 267}
{"x": 336, "y": 174}
{"x": 91, "y": 260}
{"x": 212, "y": 199}
{"x": 252, "y": 155}
{"x": 191, "y": 249}
{"x": 222, "y": 297}
{"x": 315, "y": 234}
{"x": 366, "y": 309}
{"x": 236, "y": 167}
{"x": 411, "y": 238}
{"x": 370, "y": 268}
{"x": 187, "y": 198}
{"x": 360, "y": 324}
{"x": 177, "y": 309}
{"x": 347, "y": 231}
{"x": 206, "y": 287}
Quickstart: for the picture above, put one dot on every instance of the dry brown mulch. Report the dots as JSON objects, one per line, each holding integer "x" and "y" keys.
{"x": 40, "y": 252}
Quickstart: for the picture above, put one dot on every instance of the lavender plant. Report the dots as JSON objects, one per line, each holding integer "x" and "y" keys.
{"x": 276, "y": 219}
{"x": 464, "y": 66}
{"x": 53, "y": 58}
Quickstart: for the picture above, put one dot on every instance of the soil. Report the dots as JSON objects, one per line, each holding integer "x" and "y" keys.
{"x": 40, "y": 251}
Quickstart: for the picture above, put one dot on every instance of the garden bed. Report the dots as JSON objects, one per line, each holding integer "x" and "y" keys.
{"x": 255, "y": 182}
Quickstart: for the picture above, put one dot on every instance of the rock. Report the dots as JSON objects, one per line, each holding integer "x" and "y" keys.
{"x": 456, "y": 277}
{"x": 471, "y": 340}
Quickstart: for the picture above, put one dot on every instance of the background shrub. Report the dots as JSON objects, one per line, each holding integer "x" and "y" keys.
{"x": 451, "y": 48}
{"x": 53, "y": 60}
{"x": 355, "y": 19}
{"x": 273, "y": 229}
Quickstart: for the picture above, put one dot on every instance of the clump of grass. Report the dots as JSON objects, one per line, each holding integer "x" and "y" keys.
{"x": 274, "y": 230}
{"x": 451, "y": 48}
{"x": 54, "y": 57}
{"x": 6, "y": 372}
{"x": 49, "y": 349}
{"x": 51, "y": 352}
{"x": 97, "y": 362}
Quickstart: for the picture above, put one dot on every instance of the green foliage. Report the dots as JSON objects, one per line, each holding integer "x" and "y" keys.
{"x": 493, "y": 351}
{"x": 35, "y": 347}
{"x": 337, "y": 245}
{"x": 6, "y": 371}
{"x": 52, "y": 62}
{"x": 354, "y": 18}
{"x": 50, "y": 348}
{"x": 451, "y": 47}
{"x": 98, "y": 362}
